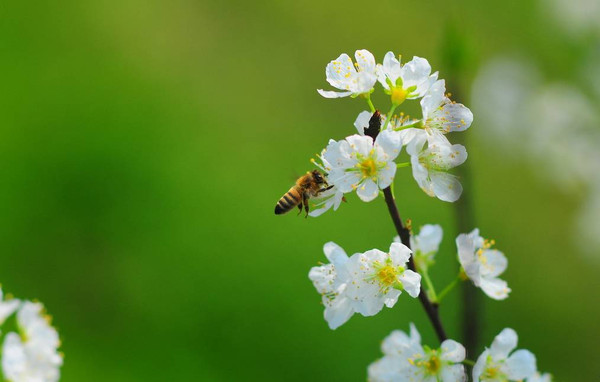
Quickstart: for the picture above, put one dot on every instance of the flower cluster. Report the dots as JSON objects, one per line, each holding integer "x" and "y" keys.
{"x": 405, "y": 359}
{"x": 366, "y": 163}
{"x": 31, "y": 354}
{"x": 364, "y": 282}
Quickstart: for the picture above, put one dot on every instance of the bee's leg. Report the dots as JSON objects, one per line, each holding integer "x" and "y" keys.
{"x": 300, "y": 208}
{"x": 305, "y": 201}
{"x": 325, "y": 189}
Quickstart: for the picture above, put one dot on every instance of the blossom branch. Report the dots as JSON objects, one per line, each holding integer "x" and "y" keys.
{"x": 430, "y": 308}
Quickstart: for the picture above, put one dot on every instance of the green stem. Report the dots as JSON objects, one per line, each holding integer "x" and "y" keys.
{"x": 469, "y": 362}
{"x": 389, "y": 116}
{"x": 430, "y": 289}
{"x": 448, "y": 288}
{"x": 371, "y": 106}
{"x": 402, "y": 164}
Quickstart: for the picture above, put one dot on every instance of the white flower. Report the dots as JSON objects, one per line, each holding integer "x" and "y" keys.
{"x": 430, "y": 165}
{"x": 363, "y": 283}
{"x": 495, "y": 364}
{"x": 442, "y": 115}
{"x": 405, "y": 359}
{"x": 352, "y": 79}
{"x": 327, "y": 281}
{"x": 537, "y": 377}
{"x": 32, "y": 356}
{"x": 359, "y": 164}
{"x": 408, "y": 81}
{"x": 378, "y": 278}
{"x": 7, "y": 307}
{"x": 482, "y": 264}
{"x": 425, "y": 245}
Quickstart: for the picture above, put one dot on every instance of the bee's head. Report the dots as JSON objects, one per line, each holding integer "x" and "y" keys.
{"x": 318, "y": 177}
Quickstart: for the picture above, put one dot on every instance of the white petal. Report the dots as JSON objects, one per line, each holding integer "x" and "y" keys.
{"x": 445, "y": 186}
{"x": 333, "y": 94}
{"x": 365, "y": 60}
{"x": 335, "y": 254}
{"x": 411, "y": 281}
{"x": 390, "y": 69}
{"x": 453, "y": 373}
{"x": 480, "y": 365}
{"x": 415, "y": 336}
{"x": 400, "y": 253}
{"x": 421, "y": 175}
{"x": 452, "y": 351}
{"x": 345, "y": 181}
{"x": 495, "y": 288}
{"x": 494, "y": 262}
{"x": 362, "y": 121}
{"x": 385, "y": 176}
{"x": 416, "y": 73}
{"x": 429, "y": 238}
{"x": 323, "y": 278}
{"x": 457, "y": 117}
{"x": 414, "y": 139}
{"x": 503, "y": 344}
{"x": 360, "y": 144}
{"x": 433, "y": 98}
{"x": 520, "y": 365}
{"x": 340, "y": 72}
{"x": 396, "y": 343}
{"x": 391, "y": 143}
{"x": 367, "y": 190}
{"x": 338, "y": 313}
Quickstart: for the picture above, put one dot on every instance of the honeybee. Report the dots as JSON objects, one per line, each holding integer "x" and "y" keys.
{"x": 308, "y": 185}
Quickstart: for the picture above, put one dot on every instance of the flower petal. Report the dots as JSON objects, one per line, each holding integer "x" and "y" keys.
{"x": 494, "y": 262}
{"x": 480, "y": 365}
{"x": 453, "y": 373}
{"x": 391, "y": 143}
{"x": 503, "y": 344}
{"x": 338, "y": 313}
{"x": 411, "y": 281}
{"x": 433, "y": 99}
{"x": 452, "y": 351}
{"x": 445, "y": 186}
{"x": 495, "y": 288}
{"x": 367, "y": 190}
{"x": 362, "y": 121}
{"x": 429, "y": 238}
{"x": 520, "y": 365}
{"x": 333, "y": 94}
{"x": 399, "y": 253}
{"x": 360, "y": 143}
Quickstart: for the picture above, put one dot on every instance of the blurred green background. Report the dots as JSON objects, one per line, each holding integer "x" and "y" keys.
{"x": 144, "y": 144}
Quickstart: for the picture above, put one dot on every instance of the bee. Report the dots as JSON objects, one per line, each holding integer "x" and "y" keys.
{"x": 308, "y": 185}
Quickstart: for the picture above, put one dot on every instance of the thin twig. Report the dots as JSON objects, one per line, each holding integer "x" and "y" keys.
{"x": 430, "y": 308}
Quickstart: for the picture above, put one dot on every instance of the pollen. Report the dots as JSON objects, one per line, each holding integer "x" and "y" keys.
{"x": 387, "y": 275}
{"x": 368, "y": 168}
{"x": 433, "y": 365}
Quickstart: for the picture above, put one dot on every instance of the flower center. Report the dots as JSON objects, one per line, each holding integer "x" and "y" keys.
{"x": 492, "y": 372}
{"x": 398, "y": 95}
{"x": 368, "y": 168}
{"x": 433, "y": 365}
{"x": 387, "y": 275}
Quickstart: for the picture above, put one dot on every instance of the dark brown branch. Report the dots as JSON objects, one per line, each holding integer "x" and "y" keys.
{"x": 430, "y": 308}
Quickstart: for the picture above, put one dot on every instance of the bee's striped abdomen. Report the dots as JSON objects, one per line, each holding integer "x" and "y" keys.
{"x": 288, "y": 201}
